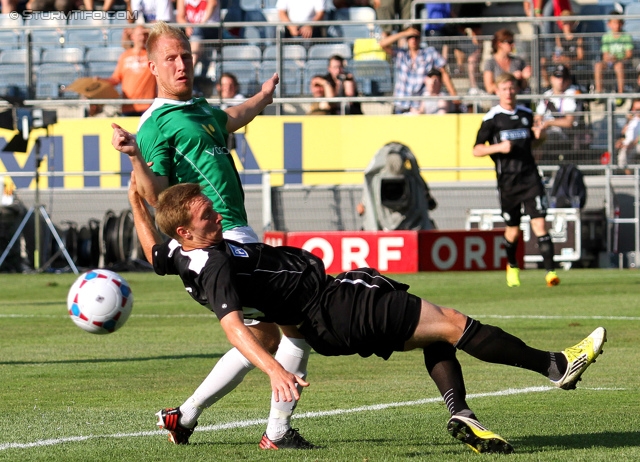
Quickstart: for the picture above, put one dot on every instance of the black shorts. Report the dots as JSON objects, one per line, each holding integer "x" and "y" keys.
{"x": 535, "y": 207}
{"x": 361, "y": 312}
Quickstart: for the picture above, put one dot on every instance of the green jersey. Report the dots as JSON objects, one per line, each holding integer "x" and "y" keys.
{"x": 186, "y": 141}
{"x": 617, "y": 46}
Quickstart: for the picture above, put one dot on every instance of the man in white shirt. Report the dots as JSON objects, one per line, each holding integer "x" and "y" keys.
{"x": 628, "y": 145}
{"x": 299, "y": 13}
{"x": 555, "y": 115}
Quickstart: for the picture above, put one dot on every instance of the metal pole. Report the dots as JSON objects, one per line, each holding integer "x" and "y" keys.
{"x": 267, "y": 212}
{"x": 36, "y": 250}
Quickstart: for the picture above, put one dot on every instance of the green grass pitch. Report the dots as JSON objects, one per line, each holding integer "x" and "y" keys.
{"x": 67, "y": 395}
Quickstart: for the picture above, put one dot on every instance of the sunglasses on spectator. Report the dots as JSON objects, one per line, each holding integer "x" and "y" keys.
{"x": 510, "y": 42}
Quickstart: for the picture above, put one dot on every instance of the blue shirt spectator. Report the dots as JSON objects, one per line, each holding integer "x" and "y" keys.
{"x": 412, "y": 65}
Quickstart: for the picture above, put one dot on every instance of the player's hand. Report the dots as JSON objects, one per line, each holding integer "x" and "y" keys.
{"x": 269, "y": 87}
{"x": 283, "y": 385}
{"x": 504, "y": 147}
{"x": 123, "y": 141}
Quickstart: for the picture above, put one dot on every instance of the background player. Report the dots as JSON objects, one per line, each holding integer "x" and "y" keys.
{"x": 506, "y": 135}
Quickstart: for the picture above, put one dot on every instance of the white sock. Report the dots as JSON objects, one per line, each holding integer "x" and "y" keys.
{"x": 293, "y": 355}
{"x": 227, "y": 374}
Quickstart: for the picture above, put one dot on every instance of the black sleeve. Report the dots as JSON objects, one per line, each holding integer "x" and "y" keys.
{"x": 218, "y": 283}
{"x": 162, "y": 261}
{"x": 485, "y": 133}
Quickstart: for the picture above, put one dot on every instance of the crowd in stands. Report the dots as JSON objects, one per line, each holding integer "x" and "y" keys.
{"x": 411, "y": 51}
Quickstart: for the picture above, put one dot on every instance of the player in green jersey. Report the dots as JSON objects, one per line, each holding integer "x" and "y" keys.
{"x": 184, "y": 140}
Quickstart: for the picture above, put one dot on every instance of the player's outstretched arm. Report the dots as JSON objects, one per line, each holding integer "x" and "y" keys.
{"x": 283, "y": 383}
{"x": 242, "y": 114}
{"x": 149, "y": 185}
{"x": 481, "y": 150}
{"x": 148, "y": 235}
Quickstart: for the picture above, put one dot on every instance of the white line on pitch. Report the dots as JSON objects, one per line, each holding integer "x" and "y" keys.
{"x": 304, "y": 415}
{"x": 479, "y": 316}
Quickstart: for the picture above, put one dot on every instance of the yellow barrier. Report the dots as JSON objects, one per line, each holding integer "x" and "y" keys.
{"x": 268, "y": 143}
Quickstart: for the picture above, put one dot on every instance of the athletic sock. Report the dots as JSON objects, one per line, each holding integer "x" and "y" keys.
{"x": 510, "y": 248}
{"x": 558, "y": 366}
{"x": 493, "y": 345}
{"x": 445, "y": 370}
{"x": 293, "y": 355}
{"x": 227, "y": 374}
{"x": 546, "y": 250}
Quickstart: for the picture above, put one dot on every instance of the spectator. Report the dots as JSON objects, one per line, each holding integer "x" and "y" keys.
{"x": 433, "y": 87}
{"x": 387, "y": 10}
{"x": 198, "y": 12}
{"x": 343, "y": 83}
{"x": 555, "y": 116}
{"x": 321, "y": 88}
{"x": 298, "y": 13}
{"x": 10, "y": 5}
{"x": 617, "y": 51}
{"x": 154, "y": 10}
{"x": 106, "y": 5}
{"x": 412, "y": 65}
{"x": 628, "y": 145}
{"x": 441, "y": 31}
{"x": 235, "y": 13}
{"x": 133, "y": 74}
{"x": 227, "y": 88}
{"x": 470, "y": 51}
{"x": 502, "y": 61}
{"x": 547, "y": 8}
{"x": 568, "y": 50}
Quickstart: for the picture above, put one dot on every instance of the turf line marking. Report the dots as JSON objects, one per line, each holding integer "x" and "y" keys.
{"x": 249, "y": 423}
{"x": 209, "y": 315}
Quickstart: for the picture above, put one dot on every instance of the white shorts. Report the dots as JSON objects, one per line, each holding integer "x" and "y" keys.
{"x": 244, "y": 235}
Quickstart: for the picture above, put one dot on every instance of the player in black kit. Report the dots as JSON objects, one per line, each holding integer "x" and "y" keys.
{"x": 357, "y": 312}
{"x": 509, "y": 131}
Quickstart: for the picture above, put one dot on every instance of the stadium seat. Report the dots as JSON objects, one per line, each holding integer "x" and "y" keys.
{"x": 102, "y": 61}
{"x": 19, "y": 56}
{"x": 85, "y": 38}
{"x": 326, "y": 50}
{"x": 373, "y": 77}
{"x": 632, "y": 25}
{"x": 11, "y": 33}
{"x": 104, "y": 69}
{"x": 353, "y": 14}
{"x": 250, "y": 5}
{"x": 14, "y": 79}
{"x": 597, "y": 25}
{"x": 114, "y": 37}
{"x": 64, "y": 55}
{"x": 52, "y": 78}
{"x": 51, "y": 37}
{"x": 290, "y": 79}
{"x": 297, "y": 52}
{"x": 103, "y": 54}
{"x": 241, "y": 53}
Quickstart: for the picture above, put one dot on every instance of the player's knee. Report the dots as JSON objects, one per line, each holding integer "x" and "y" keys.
{"x": 268, "y": 334}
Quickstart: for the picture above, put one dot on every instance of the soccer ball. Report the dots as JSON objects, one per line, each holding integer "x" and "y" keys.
{"x": 100, "y": 301}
